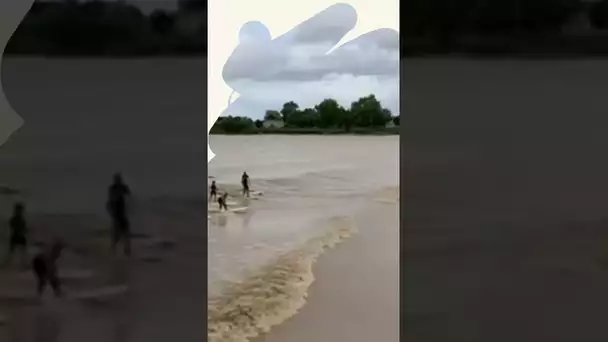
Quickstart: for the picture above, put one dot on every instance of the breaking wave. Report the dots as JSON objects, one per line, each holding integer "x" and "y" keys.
{"x": 272, "y": 294}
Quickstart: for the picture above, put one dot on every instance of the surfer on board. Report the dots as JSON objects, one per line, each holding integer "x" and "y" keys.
{"x": 245, "y": 184}
{"x": 222, "y": 201}
{"x": 44, "y": 266}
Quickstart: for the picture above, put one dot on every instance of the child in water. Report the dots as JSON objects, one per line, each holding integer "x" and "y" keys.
{"x": 45, "y": 269}
{"x": 222, "y": 201}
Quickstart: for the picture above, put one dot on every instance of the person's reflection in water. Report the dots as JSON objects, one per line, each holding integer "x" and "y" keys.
{"x": 247, "y": 219}
{"x": 120, "y": 312}
{"x": 44, "y": 266}
{"x": 222, "y": 220}
{"x": 121, "y": 319}
{"x": 47, "y": 325}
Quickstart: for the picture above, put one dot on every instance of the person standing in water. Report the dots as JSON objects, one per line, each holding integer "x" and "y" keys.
{"x": 222, "y": 201}
{"x": 118, "y": 194}
{"x": 213, "y": 194}
{"x": 18, "y": 233}
{"x": 245, "y": 184}
{"x": 44, "y": 266}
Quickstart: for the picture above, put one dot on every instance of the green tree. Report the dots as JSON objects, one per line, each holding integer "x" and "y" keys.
{"x": 368, "y": 112}
{"x": 396, "y": 120}
{"x": 162, "y": 22}
{"x": 331, "y": 114}
{"x": 348, "y": 120}
{"x": 306, "y": 118}
{"x": 233, "y": 124}
{"x": 272, "y": 115}
{"x": 288, "y": 109}
{"x": 98, "y": 27}
{"x": 92, "y": 27}
{"x": 192, "y": 5}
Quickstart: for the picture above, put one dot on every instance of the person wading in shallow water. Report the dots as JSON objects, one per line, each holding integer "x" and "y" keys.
{"x": 213, "y": 194}
{"x": 18, "y": 233}
{"x": 118, "y": 194}
{"x": 245, "y": 184}
{"x": 44, "y": 266}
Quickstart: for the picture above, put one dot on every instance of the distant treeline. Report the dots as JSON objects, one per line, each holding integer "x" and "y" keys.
{"x": 504, "y": 26}
{"x": 94, "y": 27}
{"x": 364, "y": 115}
{"x": 98, "y": 28}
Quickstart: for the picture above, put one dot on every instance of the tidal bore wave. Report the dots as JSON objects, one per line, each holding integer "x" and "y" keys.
{"x": 274, "y": 293}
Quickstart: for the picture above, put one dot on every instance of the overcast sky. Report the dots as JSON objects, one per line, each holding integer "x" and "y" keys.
{"x": 300, "y": 66}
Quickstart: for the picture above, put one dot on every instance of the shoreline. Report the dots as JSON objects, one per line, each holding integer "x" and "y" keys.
{"x": 349, "y": 134}
{"x": 316, "y": 131}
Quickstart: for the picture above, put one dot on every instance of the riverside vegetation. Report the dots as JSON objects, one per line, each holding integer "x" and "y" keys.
{"x": 365, "y": 116}
{"x": 428, "y": 27}
{"x": 110, "y": 28}
{"x": 531, "y": 28}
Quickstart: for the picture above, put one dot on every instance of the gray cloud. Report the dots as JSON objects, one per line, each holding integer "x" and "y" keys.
{"x": 370, "y": 54}
{"x": 301, "y": 54}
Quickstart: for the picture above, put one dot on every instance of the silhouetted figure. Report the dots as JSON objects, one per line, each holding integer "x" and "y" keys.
{"x": 118, "y": 194}
{"x": 245, "y": 184}
{"x": 213, "y": 194}
{"x": 222, "y": 201}
{"x": 44, "y": 266}
{"x": 18, "y": 233}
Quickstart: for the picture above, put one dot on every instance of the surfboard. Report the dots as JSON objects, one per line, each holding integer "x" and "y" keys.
{"x": 17, "y": 295}
{"x": 100, "y": 293}
{"x": 233, "y": 210}
{"x": 75, "y": 274}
